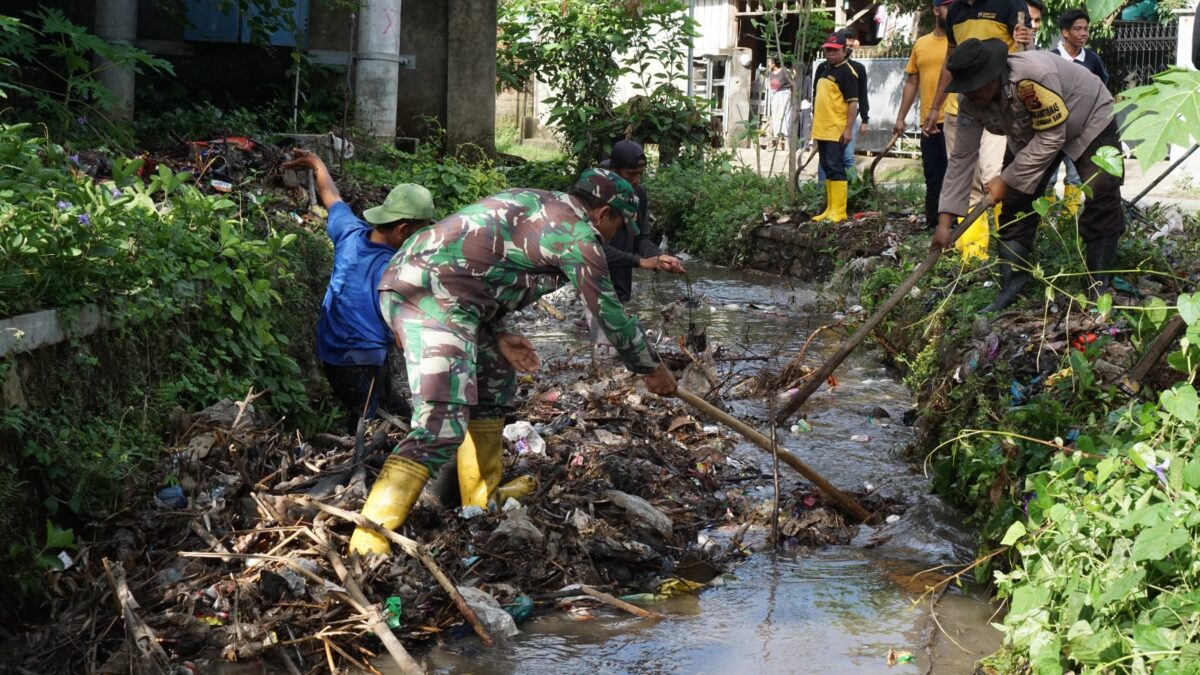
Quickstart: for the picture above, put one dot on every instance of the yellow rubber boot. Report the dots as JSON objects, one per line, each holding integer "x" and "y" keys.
{"x": 839, "y": 192}
{"x": 395, "y": 491}
{"x": 1073, "y": 197}
{"x": 828, "y": 205}
{"x": 481, "y": 461}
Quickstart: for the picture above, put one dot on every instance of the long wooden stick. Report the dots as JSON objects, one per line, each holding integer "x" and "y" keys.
{"x": 849, "y": 505}
{"x": 1131, "y": 381}
{"x": 618, "y": 603}
{"x": 413, "y": 548}
{"x": 869, "y": 176}
{"x": 868, "y": 327}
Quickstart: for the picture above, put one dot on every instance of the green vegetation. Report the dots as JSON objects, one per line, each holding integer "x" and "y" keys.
{"x": 1086, "y": 500}
{"x": 580, "y": 48}
{"x": 206, "y": 296}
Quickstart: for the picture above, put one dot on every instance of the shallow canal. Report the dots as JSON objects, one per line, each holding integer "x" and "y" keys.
{"x": 837, "y": 609}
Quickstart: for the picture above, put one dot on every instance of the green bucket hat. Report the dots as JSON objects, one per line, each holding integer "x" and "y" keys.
{"x": 406, "y": 201}
{"x": 613, "y": 190}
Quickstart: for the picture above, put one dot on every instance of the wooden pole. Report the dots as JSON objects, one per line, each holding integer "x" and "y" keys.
{"x": 1131, "y": 382}
{"x": 819, "y": 377}
{"x": 870, "y": 175}
{"x": 848, "y": 505}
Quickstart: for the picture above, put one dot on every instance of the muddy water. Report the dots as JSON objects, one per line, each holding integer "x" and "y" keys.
{"x": 838, "y": 609}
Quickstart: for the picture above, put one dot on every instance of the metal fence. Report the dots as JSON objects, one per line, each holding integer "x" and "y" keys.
{"x": 1137, "y": 50}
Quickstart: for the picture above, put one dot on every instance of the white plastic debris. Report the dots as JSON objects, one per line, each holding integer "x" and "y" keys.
{"x": 491, "y": 615}
{"x": 641, "y": 512}
{"x": 524, "y": 438}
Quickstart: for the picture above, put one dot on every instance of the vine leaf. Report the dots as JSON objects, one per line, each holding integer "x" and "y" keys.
{"x": 1163, "y": 113}
{"x": 1158, "y": 542}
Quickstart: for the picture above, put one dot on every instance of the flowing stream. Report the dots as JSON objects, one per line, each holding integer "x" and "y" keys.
{"x": 836, "y": 609}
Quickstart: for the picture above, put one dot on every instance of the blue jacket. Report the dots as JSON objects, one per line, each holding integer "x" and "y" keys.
{"x": 351, "y": 331}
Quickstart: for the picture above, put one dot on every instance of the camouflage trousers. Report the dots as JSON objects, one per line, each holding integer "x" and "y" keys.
{"x": 455, "y": 370}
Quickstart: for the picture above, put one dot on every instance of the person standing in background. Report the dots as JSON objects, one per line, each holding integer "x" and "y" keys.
{"x": 779, "y": 80}
{"x": 1075, "y": 26}
{"x": 864, "y": 107}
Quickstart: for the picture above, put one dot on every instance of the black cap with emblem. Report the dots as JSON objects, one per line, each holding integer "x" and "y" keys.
{"x": 975, "y": 63}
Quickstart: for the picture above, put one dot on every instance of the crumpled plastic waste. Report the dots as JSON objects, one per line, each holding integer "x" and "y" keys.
{"x": 393, "y": 611}
{"x": 172, "y": 497}
{"x": 524, "y": 438}
{"x": 490, "y": 613}
{"x": 520, "y": 608}
{"x": 1020, "y": 393}
{"x": 641, "y": 512}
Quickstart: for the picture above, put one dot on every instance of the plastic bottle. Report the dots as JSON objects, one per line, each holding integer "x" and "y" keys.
{"x": 516, "y": 488}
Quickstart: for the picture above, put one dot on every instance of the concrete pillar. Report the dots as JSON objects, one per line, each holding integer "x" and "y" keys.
{"x": 737, "y": 96}
{"x": 471, "y": 76}
{"x": 377, "y": 67}
{"x": 116, "y": 24}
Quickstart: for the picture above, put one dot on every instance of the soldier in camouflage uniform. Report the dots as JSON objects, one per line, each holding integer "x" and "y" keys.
{"x": 446, "y": 294}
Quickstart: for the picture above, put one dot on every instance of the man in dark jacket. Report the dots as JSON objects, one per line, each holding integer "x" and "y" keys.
{"x": 629, "y": 249}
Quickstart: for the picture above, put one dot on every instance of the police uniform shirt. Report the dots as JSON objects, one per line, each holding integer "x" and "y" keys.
{"x": 1047, "y": 105}
{"x": 835, "y": 89}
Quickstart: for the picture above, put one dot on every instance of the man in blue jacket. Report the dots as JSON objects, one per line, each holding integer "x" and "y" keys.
{"x": 353, "y": 339}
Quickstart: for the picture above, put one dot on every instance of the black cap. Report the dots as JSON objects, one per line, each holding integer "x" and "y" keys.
{"x": 625, "y": 155}
{"x": 974, "y": 63}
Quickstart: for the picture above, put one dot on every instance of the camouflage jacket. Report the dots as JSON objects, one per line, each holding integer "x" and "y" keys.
{"x": 502, "y": 253}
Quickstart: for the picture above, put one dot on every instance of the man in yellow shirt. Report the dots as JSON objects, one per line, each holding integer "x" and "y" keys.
{"x": 924, "y": 68}
{"x": 835, "y": 106}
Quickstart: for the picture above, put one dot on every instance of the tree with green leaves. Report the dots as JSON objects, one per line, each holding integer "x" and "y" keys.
{"x": 581, "y": 49}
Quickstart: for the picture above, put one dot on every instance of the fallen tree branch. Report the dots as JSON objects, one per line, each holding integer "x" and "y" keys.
{"x": 358, "y": 600}
{"x": 144, "y": 648}
{"x": 411, "y": 547}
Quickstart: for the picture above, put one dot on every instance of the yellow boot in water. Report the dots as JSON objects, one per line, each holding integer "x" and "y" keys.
{"x": 824, "y": 215}
{"x": 516, "y": 488}
{"x": 1073, "y": 197}
{"x": 481, "y": 461}
{"x": 974, "y": 240}
{"x": 395, "y": 491}
{"x": 838, "y": 194}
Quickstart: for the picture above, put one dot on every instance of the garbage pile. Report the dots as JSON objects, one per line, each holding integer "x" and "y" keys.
{"x": 239, "y": 552}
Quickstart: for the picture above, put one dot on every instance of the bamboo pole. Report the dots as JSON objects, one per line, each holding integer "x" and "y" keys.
{"x": 849, "y": 505}
{"x": 816, "y": 379}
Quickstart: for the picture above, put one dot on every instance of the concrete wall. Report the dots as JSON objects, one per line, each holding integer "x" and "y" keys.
{"x": 450, "y": 84}
{"x": 1190, "y": 169}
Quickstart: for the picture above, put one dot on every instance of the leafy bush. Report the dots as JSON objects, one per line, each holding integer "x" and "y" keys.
{"x": 581, "y": 48}
{"x": 556, "y": 175}
{"x": 1109, "y": 573}
{"x": 702, "y": 207}
{"x": 453, "y": 182}
{"x": 61, "y": 76}
{"x": 204, "y": 296}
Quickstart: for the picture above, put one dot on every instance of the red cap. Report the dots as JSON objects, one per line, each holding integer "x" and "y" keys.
{"x": 834, "y": 40}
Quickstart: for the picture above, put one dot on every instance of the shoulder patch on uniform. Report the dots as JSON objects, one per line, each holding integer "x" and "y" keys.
{"x": 1046, "y": 108}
